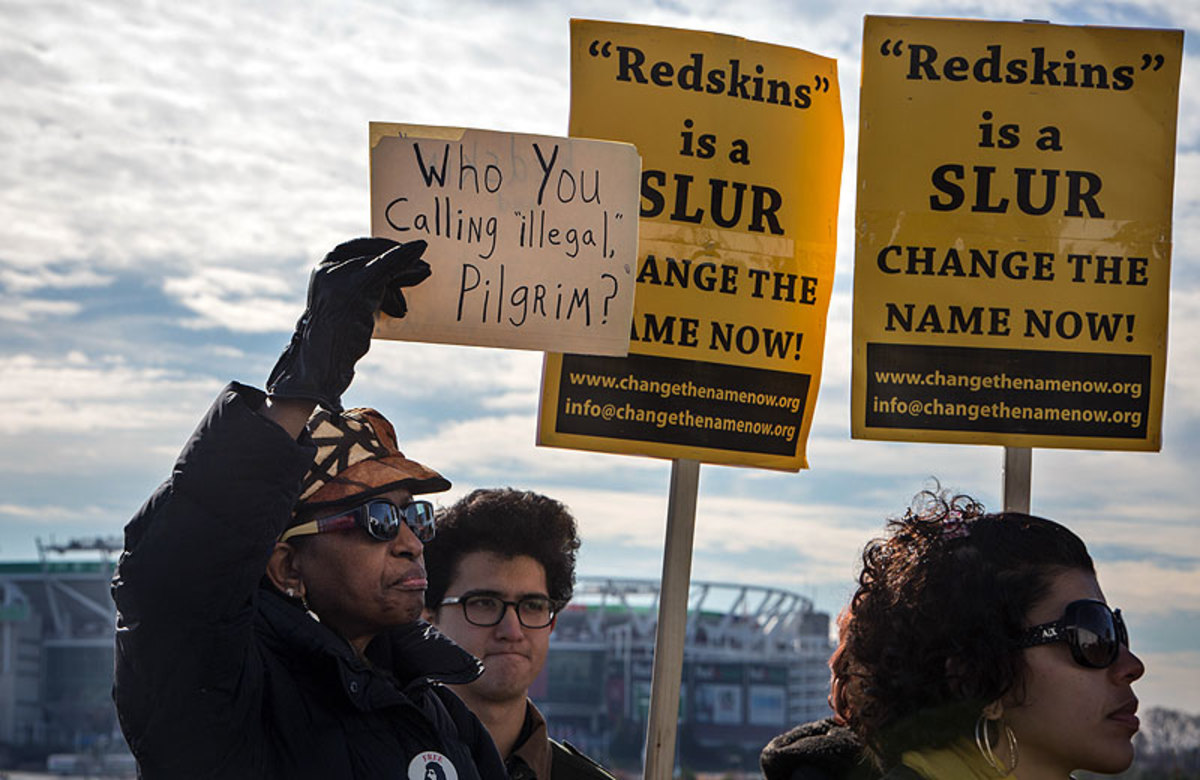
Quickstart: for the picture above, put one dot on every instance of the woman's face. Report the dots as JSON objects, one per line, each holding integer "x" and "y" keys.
{"x": 1068, "y": 716}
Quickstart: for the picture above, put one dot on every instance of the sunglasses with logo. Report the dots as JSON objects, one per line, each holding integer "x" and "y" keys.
{"x": 379, "y": 518}
{"x": 1094, "y": 633}
{"x": 486, "y": 610}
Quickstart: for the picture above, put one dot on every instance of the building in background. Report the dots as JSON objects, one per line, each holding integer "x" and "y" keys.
{"x": 56, "y": 651}
{"x": 755, "y": 663}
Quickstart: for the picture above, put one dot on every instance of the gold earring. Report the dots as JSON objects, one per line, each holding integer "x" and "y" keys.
{"x": 983, "y": 741}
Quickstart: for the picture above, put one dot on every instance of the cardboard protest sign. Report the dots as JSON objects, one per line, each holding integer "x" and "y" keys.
{"x": 532, "y": 239}
{"x": 741, "y": 145}
{"x": 1012, "y": 264}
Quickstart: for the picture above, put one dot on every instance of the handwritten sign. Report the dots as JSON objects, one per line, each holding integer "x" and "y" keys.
{"x": 1012, "y": 267}
{"x": 742, "y": 149}
{"x": 532, "y": 239}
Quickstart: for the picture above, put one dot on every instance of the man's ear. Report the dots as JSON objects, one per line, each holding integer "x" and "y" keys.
{"x": 283, "y": 571}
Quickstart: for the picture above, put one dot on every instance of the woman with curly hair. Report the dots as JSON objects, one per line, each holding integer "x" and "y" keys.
{"x": 980, "y": 646}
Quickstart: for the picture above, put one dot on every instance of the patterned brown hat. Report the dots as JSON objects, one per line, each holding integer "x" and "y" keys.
{"x": 357, "y": 457}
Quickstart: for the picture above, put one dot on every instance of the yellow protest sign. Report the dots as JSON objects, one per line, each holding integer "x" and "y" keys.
{"x": 532, "y": 239}
{"x": 1012, "y": 263}
{"x": 741, "y": 146}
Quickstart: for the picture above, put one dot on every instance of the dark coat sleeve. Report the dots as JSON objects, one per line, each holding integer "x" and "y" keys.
{"x": 185, "y": 585}
{"x": 821, "y": 750}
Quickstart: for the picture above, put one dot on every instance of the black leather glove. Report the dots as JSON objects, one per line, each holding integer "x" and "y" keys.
{"x": 354, "y": 281}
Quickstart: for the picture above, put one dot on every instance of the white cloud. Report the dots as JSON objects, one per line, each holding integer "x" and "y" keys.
{"x": 1151, "y": 589}
{"x": 499, "y": 379}
{"x": 1183, "y": 356}
{"x": 490, "y": 448}
{"x": 240, "y": 300}
{"x": 52, "y": 515}
{"x": 225, "y": 351}
{"x": 34, "y": 309}
{"x": 29, "y": 280}
{"x": 1171, "y": 681}
{"x": 219, "y": 281}
{"x": 1084, "y": 488}
{"x": 76, "y": 397}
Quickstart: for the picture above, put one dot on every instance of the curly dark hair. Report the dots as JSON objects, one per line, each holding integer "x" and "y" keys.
{"x": 508, "y": 523}
{"x": 930, "y": 636}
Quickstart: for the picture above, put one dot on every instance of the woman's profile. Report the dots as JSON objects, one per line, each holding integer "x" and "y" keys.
{"x": 981, "y": 645}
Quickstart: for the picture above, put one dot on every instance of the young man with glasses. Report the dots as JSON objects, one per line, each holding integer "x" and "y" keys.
{"x": 500, "y": 568}
{"x": 270, "y": 592}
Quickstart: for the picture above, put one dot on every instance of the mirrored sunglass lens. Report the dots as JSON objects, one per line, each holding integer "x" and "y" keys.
{"x": 420, "y": 518}
{"x": 1096, "y": 649}
{"x": 1096, "y": 636}
{"x": 383, "y": 521}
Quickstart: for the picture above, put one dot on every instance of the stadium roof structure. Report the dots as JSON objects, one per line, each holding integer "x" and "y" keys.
{"x": 723, "y": 618}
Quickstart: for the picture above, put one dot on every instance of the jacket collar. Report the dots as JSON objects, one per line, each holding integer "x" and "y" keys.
{"x": 414, "y": 653}
{"x": 532, "y": 750}
{"x": 818, "y": 749}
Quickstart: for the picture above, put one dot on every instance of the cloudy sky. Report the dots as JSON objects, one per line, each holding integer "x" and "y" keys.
{"x": 169, "y": 172}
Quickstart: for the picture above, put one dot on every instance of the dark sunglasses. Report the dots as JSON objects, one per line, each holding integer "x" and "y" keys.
{"x": 1094, "y": 633}
{"x": 486, "y": 610}
{"x": 379, "y": 518}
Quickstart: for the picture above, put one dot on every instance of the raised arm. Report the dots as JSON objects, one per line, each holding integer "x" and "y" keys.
{"x": 201, "y": 542}
{"x": 196, "y": 551}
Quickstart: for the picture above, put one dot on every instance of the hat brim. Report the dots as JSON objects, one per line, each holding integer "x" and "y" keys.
{"x": 369, "y": 478}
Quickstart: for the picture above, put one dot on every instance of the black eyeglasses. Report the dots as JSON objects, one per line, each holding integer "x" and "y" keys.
{"x": 485, "y": 611}
{"x": 379, "y": 518}
{"x": 1094, "y": 632}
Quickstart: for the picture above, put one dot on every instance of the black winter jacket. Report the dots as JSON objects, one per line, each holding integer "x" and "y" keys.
{"x": 821, "y": 750}
{"x": 217, "y": 677}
